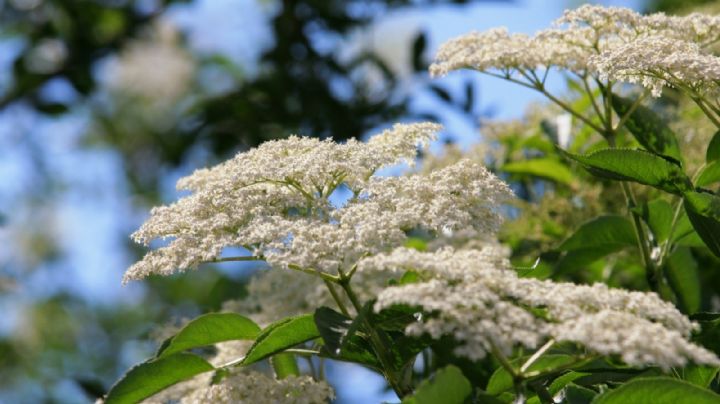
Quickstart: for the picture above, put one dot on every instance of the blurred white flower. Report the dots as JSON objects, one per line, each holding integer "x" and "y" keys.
{"x": 47, "y": 56}
{"x": 157, "y": 69}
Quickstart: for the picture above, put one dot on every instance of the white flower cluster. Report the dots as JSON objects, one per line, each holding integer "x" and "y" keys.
{"x": 606, "y": 42}
{"x": 254, "y": 387}
{"x": 275, "y": 201}
{"x": 475, "y": 297}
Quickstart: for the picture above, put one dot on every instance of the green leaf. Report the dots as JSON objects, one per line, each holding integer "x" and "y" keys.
{"x": 501, "y": 380}
{"x": 709, "y": 175}
{"x": 209, "y": 329}
{"x": 658, "y": 215}
{"x": 284, "y": 365}
{"x": 546, "y": 168}
{"x": 575, "y": 394}
{"x": 447, "y": 386}
{"x": 280, "y": 336}
{"x": 635, "y": 165}
{"x": 699, "y": 375}
{"x": 153, "y": 376}
{"x": 558, "y": 384}
{"x": 709, "y": 334}
{"x": 658, "y": 390}
{"x": 648, "y": 128}
{"x": 713, "y": 150}
{"x": 703, "y": 210}
{"x": 341, "y": 342}
{"x": 613, "y": 232}
{"x": 682, "y": 273}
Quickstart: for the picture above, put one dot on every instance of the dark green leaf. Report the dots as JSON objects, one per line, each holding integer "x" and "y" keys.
{"x": 658, "y": 390}
{"x": 447, "y": 386}
{"x": 469, "y": 96}
{"x": 684, "y": 234}
{"x": 280, "y": 336}
{"x": 546, "y": 168}
{"x": 442, "y": 93}
{"x": 209, "y": 329}
{"x": 558, "y": 384}
{"x": 153, "y": 376}
{"x": 713, "y": 150}
{"x": 703, "y": 210}
{"x": 501, "y": 380}
{"x": 635, "y": 165}
{"x": 613, "y": 232}
{"x": 575, "y": 394}
{"x": 710, "y": 174}
{"x": 418, "y": 52}
{"x": 284, "y": 365}
{"x": 682, "y": 273}
{"x": 658, "y": 215}
{"x": 648, "y": 128}
{"x": 341, "y": 339}
{"x": 709, "y": 334}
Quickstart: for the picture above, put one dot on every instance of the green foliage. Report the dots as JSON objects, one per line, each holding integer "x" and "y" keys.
{"x": 545, "y": 168}
{"x": 280, "y": 336}
{"x": 284, "y": 365}
{"x": 709, "y": 175}
{"x": 699, "y": 375}
{"x": 658, "y": 390}
{"x": 635, "y": 165}
{"x": 703, "y": 210}
{"x": 502, "y": 381}
{"x": 611, "y": 232}
{"x": 448, "y": 386}
{"x": 683, "y": 274}
{"x": 647, "y": 127}
{"x": 209, "y": 329}
{"x": 152, "y": 376}
{"x": 713, "y": 150}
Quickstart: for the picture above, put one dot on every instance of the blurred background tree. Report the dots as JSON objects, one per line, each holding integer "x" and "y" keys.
{"x": 104, "y": 103}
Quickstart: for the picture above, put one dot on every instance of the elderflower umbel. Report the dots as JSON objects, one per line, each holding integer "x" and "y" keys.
{"x": 275, "y": 201}
{"x": 604, "y": 42}
{"x": 475, "y": 297}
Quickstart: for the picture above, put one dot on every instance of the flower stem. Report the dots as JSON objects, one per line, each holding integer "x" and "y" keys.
{"x": 378, "y": 345}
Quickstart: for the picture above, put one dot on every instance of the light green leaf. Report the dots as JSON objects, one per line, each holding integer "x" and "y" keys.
{"x": 635, "y": 165}
{"x": 703, "y": 210}
{"x": 658, "y": 390}
{"x": 284, "y": 365}
{"x": 710, "y": 174}
{"x": 501, "y": 380}
{"x": 682, "y": 273}
{"x": 611, "y": 232}
{"x": 648, "y": 128}
{"x": 209, "y": 329}
{"x": 699, "y": 375}
{"x": 713, "y": 150}
{"x": 280, "y": 336}
{"x": 153, "y": 376}
{"x": 447, "y": 386}
{"x": 546, "y": 168}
